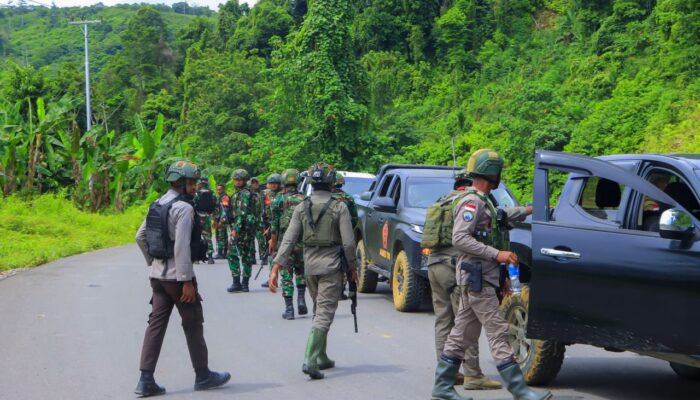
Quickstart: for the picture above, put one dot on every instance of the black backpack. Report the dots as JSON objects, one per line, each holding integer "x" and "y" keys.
{"x": 205, "y": 202}
{"x": 157, "y": 234}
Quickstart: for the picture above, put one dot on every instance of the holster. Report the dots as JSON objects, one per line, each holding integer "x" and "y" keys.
{"x": 474, "y": 281}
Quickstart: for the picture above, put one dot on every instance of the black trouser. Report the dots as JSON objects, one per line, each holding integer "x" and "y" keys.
{"x": 166, "y": 294}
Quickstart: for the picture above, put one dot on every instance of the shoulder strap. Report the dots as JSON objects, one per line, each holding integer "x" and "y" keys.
{"x": 324, "y": 209}
{"x": 309, "y": 215}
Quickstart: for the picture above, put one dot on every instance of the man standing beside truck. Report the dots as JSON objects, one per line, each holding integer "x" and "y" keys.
{"x": 444, "y": 289}
{"x": 482, "y": 248}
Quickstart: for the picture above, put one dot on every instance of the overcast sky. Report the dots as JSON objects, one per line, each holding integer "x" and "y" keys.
{"x": 213, "y": 4}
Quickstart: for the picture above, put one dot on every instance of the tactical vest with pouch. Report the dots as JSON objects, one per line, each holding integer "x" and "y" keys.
{"x": 158, "y": 240}
{"x": 318, "y": 227}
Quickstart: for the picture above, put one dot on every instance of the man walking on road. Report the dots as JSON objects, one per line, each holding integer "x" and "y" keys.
{"x": 323, "y": 224}
{"x": 445, "y": 296}
{"x": 169, "y": 250}
{"x": 482, "y": 246}
{"x": 242, "y": 238}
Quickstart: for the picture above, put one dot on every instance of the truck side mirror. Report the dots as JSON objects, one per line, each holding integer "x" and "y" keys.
{"x": 677, "y": 225}
{"x": 366, "y": 196}
{"x": 384, "y": 204}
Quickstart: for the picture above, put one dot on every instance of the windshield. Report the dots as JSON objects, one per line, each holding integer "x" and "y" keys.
{"x": 423, "y": 192}
{"x": 355, "y": 186}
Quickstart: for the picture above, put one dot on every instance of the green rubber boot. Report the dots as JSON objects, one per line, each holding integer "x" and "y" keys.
{"x": 515, "y": 382}
{"x": 445, "y": 374}
{"x": 323, "y": 361}
{"x": 313, "y": 351}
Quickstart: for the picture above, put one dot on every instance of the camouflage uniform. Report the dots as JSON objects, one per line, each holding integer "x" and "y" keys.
{"x": 269, "y": 197}
{"x": 262, "y": 243}
{"x": 245, "y": 224}
{"x": 343, "y": 196}
{"x": 282, "y": 210}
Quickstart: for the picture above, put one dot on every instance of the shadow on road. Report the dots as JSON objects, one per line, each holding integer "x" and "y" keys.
{"x": 234, "y": 388}
{"x": 370, "y": 369}
{"x": 624, "y": 376}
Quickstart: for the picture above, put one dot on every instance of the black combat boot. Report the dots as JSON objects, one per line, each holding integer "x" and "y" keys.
{"x": 147, "y": 385}
{"x": 265, "y": 284}
{"x": 211, "y": 260}
{"x": 301, "y": 300}
{"x": 515, "y": 383}
{"x": 288, "y": 308}
{"x": 207, "y": 379}
{"x": 246, "y": 288}
{"x": 236, "y": 285}
{"x": 445, "y": 374}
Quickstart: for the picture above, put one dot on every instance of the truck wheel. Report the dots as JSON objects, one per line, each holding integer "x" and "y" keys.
{"x": 540, "y": 360}
{"x": 686, "y": 371}
{"x": 366, "y": 279}
{"x": 406, "y": 286}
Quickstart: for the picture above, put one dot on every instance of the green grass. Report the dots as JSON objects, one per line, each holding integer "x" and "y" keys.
{"x": 48, "y": 227}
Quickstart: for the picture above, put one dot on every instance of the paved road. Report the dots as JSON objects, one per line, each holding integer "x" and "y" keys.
{"x": 72, "y": 330}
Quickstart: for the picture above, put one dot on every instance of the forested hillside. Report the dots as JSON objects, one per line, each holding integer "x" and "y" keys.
{"x": 357, "y": 83}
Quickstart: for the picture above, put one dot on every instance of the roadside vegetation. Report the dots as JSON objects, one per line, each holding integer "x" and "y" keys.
{"x": 49, "y": 227}
{"x": 356, "y": 83}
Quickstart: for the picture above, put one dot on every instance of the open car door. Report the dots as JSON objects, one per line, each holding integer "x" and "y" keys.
{"x": 595, "y": 279}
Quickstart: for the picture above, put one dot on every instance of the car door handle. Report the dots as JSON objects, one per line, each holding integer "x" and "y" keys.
{"x": 560, "y": 254}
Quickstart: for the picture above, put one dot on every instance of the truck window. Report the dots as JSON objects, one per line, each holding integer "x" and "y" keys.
{"x": 674, "y": 186}
{"x": 396, "y": 192}
{"x": 601, "y": 198}
{"x": 386, "y": 183}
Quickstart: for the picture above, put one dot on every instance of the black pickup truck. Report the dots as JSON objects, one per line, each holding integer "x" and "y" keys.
{"x": 616, "y": 264}
{"x": 392, "y": 215}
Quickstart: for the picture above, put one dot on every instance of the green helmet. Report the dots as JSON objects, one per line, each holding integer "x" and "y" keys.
{"x": 274, "y": 178}
{"x": 290, "y": 177}
{"x": 322, "y": 173}
{"x": 462, "y": 175}
{"x": 182, "y": 169}
{"x": 339, "y": 179}
{"x": 240, "y": 174}
{"x": 485, "y": 162}
{"x": 253, "y": 179}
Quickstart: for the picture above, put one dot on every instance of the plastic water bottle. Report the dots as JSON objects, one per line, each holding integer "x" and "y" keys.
{"x": 514, "y": 274}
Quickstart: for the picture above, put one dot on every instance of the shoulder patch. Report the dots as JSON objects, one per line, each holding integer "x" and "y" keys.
{"x": 468, "y": 216}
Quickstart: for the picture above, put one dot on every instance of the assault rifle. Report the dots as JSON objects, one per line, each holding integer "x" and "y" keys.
{"x": 352, "y": 287}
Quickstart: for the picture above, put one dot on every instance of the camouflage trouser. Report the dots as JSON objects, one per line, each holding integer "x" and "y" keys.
{"x": 246, "y": 246}
{"x": 295, "y": 268}
{"x": 205, "y": 222}
{"x": 222, "y": 241}
{"x": 262, "y": 246}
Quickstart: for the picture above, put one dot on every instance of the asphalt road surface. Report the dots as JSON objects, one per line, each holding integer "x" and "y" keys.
{"x": 72, "y": 329}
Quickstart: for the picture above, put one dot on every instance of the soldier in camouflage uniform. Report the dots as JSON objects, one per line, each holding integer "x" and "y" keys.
{"x": 282, "y": 210}
{"x": 205, "y": 222}
{"x": 254, "y": 185}
{"x": 338, "y": 193}
{"x": 270, "y": 195}
{"x": 242, "y": 239}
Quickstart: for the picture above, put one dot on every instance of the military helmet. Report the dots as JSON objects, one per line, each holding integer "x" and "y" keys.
{"x": 253, "y": 179}
{"x": 182, "y": 169}
{"x": 290, "y": 177}
{"x": 339, "y": 179}
{"x": 204, "y": 180}
{"x": 274, "y": 178}
{"x": 485, "y": 162}
{"x": 462, "y": 175}
{"x": 322, "y": 173}
{"x": 240, "y": 174}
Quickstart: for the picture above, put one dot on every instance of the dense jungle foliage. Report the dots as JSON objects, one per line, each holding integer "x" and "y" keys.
{"x": 357, "y": 83}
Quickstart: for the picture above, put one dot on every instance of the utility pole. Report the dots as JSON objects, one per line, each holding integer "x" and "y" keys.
{"x": 88, "y": 114}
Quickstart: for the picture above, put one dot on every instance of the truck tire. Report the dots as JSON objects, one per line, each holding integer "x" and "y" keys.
{"x": 407, "y": 287}
{"x": 540, "y": 360}
{"x": 686, "y": 371}
{"x": 366, "y": 279}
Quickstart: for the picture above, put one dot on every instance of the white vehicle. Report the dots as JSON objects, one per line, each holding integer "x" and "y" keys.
{"x": 356, "y": 183}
